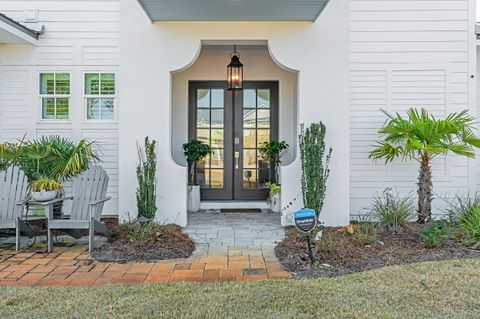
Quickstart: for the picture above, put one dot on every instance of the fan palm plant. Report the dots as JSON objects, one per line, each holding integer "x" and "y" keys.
{"x": 421, "y": 137}
{"x": 50, "y": 157}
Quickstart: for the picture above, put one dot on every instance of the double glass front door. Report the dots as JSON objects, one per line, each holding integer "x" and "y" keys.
{"x": 235, "y": 124}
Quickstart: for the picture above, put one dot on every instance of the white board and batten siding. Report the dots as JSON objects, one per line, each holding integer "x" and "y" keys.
{"x": 406, "y": 54}
{"x": 79, "y": 37}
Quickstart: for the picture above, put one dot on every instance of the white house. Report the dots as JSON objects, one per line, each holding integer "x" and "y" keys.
{"x": 116, "y": 71}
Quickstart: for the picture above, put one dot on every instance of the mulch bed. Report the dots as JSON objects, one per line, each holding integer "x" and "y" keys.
{"x": 165, "y": 242}
{"x": 339, "y": 252}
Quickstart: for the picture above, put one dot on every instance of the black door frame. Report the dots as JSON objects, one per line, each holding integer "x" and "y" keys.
{"x": 233, "y": 128}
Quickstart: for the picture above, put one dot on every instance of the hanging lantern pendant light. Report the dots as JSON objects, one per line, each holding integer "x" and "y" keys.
{"x": 235, "y": 71}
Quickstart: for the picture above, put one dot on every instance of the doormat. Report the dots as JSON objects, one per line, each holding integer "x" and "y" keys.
{"x": 240, "y": 210}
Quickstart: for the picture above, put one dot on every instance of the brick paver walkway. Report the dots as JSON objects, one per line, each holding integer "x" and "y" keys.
{"x": 216, "y": 259}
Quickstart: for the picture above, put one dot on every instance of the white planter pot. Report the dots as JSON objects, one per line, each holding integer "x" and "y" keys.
{"x": 193, "y": 199}
{"x": 44, "y": 196}
{"x": 275, "y": 203}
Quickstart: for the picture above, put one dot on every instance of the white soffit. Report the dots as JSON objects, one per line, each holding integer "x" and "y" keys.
{"x": 11, "y": 32}
{"x": 233, "y": 10}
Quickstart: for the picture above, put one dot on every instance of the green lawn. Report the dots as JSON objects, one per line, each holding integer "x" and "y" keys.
{"x": 448, "y": 289}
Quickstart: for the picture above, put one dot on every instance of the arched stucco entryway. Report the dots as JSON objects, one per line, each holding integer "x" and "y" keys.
{"x": 319, "y": 51}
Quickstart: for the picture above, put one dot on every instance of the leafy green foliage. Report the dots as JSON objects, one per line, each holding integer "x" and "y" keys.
{"x": 365, "y": 229}
{"x": 392, "y": 210}
{"x": 273, "y": 189}
{"x": 469, "y": 223}
{"x": 421, "y": 136}
{"x": 273, "y": 151}
{"x": 194, "y": 152}
{"x": 435, "y": 234}
{"x": 315, "y": 162}
{"x": 44, "y": 184}
{"x": 50, "y": 157}
{"x": 147, "y": 181}
{"x": 464, "y": 211}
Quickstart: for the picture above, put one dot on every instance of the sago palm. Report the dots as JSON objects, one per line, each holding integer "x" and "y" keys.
{"x": 421, "y": 137}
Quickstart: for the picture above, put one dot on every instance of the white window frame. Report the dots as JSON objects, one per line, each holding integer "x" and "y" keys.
{"x": 99, "y": 96}
{"x": 54, "y": 96}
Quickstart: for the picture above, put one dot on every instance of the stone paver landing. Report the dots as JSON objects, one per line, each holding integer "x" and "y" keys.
{"x": 234, "y": 248}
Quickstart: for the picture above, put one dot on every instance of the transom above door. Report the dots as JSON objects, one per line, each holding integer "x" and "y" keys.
{"x": 235, "y": 124}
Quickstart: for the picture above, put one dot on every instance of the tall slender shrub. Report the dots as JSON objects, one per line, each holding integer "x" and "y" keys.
{"x": 315, "y": 162}
{"x": 147, "y": 182}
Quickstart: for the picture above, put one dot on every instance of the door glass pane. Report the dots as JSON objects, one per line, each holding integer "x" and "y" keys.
{"x": 263, "y": 98}
{"x": 203, "y": 135}
{"x": 249, "y": 99}
{"x": 203, "y": 118}
{"x": 217, "y": 118}
{"x": 249, "y": 118}
{"x": 205, "y": 162}
{"x": 217, "y": 139}
{"x": 203, "y": 98}
{"x": 263, "y": 118}
{"x": 249, "y": 178}
{"x": 249, "y": 158}
{"x": 218, "y": 99}
{"x": 263, "y": 136}
{"x": 263, "y": 177}
{"x": 217, "y": 158}
{"x": 249, "y": 138}
{"x": 216, "y": 178}
{"x": 205, "y": 182}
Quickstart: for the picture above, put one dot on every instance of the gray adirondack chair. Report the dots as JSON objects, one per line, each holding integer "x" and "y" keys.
{"x": 88, "y": 197}
{"x": 13, "y": 196}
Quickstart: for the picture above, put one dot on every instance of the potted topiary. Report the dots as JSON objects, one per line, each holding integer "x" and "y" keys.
{"x": 274, "y": 197}
{"x": 44, "y": 189}
{"x": 272, "y": 151}
{"x": 194, "y": 152}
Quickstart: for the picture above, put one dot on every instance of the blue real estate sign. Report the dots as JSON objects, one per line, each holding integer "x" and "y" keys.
{"x": 305, "y": 220}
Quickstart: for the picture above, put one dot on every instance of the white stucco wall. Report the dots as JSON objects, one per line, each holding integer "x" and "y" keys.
{"x": 319, "y": 51}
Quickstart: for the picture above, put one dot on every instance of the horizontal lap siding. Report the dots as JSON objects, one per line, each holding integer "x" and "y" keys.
{"x": 80, "y": 37}
{"x": 404, "y": 54}
{"x": 478, "y": 112}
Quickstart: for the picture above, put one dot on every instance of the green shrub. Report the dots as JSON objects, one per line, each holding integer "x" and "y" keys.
{"x": 195, "y": 151}
{"x": 315, "y": 165}
{"x": 147, "y": 182}
{"x": 52, "y": 157}
{"x": 44, "y": 184}
{"x": 365, "y": 230}
{"x": 469, "y": 223}
{"x": 435, "y": 234}
{"x": 465, "y": 213}
{"x": 391, "y": 210}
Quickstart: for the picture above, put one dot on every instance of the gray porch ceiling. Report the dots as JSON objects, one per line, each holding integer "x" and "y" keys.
{"x": 233, "y": 10}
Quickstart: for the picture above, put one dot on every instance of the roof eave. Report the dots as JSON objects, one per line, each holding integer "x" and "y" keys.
{"x": 19, "y": 30}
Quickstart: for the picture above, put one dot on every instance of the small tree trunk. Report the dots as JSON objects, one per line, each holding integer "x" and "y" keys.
{"x": 424, "y": 191}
